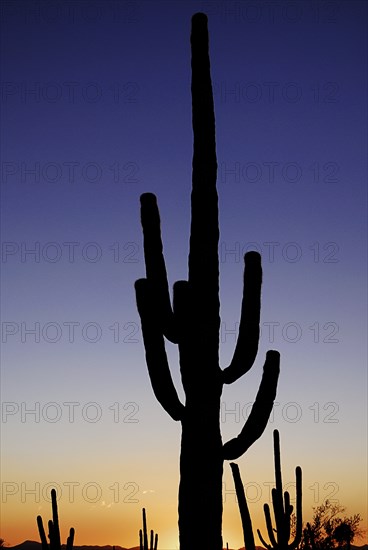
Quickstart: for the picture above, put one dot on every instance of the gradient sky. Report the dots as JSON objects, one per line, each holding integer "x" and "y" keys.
{"x": 97, "y": 110}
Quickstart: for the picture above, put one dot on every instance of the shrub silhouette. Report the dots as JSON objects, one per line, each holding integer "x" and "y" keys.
{"x": 329, "y": 530}
{"x": 193, "y": 323}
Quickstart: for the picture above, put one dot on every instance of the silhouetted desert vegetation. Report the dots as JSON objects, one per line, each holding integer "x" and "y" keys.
{"x": 196, "y": 309}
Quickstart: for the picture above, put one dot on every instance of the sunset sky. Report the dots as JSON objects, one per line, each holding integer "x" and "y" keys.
{"x": 97, "y": 110}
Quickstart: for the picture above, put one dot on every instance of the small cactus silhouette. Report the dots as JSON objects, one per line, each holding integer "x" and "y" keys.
{"x": 193, "y": 322}
{"x": 54, "y": 531}
{"x": 282, "y": 508}
{"x": 243, "y": 508}
{"x": 143, "y": 536}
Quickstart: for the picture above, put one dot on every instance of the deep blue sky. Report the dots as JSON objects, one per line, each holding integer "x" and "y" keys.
{"x": 96, "y": 100}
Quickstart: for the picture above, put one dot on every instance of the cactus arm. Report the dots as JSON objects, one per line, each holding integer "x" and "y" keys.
{"x": 261, "y": 410}
{"x": 70, "y": 539}
{"x": 243, "y": 508}
{"x": 54, "y": 529}
{"x": 155, "y": 264}
{"x": 288, "y": 511}
{"x": 299, "y": 518}
{"x": 265, "y": 544}
{"x": 277, "y": 499}
{"x": 51, "y": 534}
{"x": 278, "y": 476}
{"x": 299, "y": 494}
{"x": 247, "y": 342}
{"x": 270, "y": 530}
{"x": 42, "y": 533}
{"x": 156, "y": 358}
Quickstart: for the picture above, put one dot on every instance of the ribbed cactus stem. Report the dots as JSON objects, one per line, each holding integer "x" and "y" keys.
{"x": 278, "y": 476}
{"x": 70, "y": 539}
{"x": 143, "y": 535}
{"x": 54, "y": 529}
{"x": 243, "y": 508}
{"x": 192, "y": 320}
{"x": 145, "y": 538}
{"x": 282, "y": 508}
{"x": 299, "y": 515}
{"x": 41, "y": 531}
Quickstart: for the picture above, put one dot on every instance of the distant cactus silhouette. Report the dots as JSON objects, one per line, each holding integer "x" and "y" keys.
{"x": 143, "y": 537}
{"x": 283, "y": 509}
{"x": 194, "y": 323}
{"x": 243, "y": 508}
{"x": 54, "y": 531}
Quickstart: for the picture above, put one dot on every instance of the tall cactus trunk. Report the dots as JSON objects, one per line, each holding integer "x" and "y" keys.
{"x": 200, "y": 489}
{"x": 193, "y": 323}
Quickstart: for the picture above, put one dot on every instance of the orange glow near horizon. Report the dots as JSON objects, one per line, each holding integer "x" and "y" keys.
{"x": 98, "y": 112}
{"x": 109, "y": 524}
{"x": 108, "y": 512}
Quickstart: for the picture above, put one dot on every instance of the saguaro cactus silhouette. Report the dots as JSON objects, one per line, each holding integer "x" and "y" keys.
{"x": 143, "y": 536}
{"x": 282, "y": 508}
{"x": 54, "y": 530}
{"x": 193, "y": 322}
{"x": 243, "y": 508}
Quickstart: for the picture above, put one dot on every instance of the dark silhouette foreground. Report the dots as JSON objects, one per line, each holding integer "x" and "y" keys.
{"x": 282, "y": 509}
{"x": 279, "y": 537}
{"x": 54, "y": 530}
{"x": 193, "y": 323}
{"x": 331, "y": 529}
{"x": 143, "y": 536}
